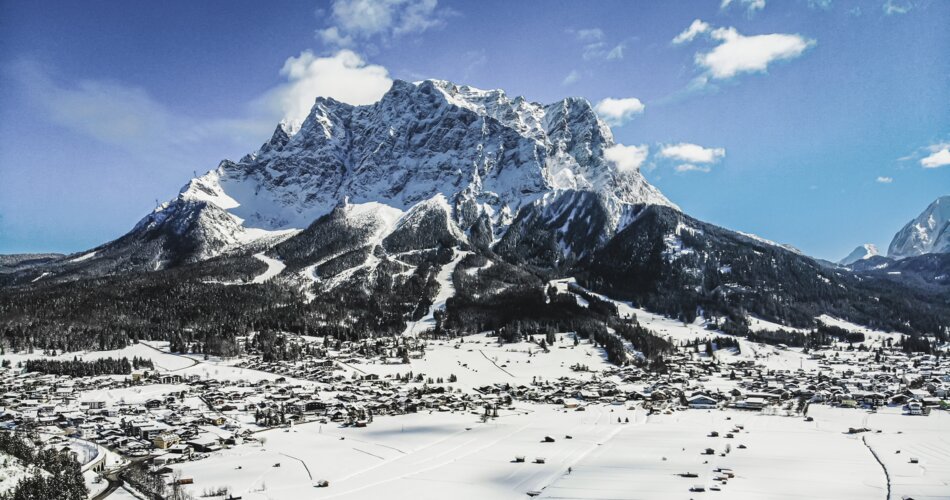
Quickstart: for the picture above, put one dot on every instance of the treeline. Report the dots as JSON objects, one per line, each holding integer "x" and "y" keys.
{"x": 64, "y": 480}
{"x": 81, "y": 368}
{"x": 711, "y": 345}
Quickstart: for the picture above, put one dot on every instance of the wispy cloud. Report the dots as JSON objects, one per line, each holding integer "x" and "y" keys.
{"x": 573, "y": 77}
{"x": 618, "y": 111}
{"x": 820, "y": 4}
{"x": 596, "y": 46}
{"x": 695, "y": 29}
{"x": 897, "y": 7}
{"x": 131, "y": 119}
{"x": 354, "y": 22}
{"x": 884, "y": 180}
{"x": 750, "y": 5}
{"x": 122, "y": 115}
{"x": 689, "y": 167}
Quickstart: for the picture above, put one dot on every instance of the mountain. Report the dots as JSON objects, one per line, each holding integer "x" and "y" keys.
{"x": 928, "y": 233}
{"x": 439, "y": 207}
{"x": 863, "y": 252}
{"x": 485, "y": 154}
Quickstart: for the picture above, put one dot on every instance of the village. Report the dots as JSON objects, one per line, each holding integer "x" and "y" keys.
{"x": 189, "y": 408}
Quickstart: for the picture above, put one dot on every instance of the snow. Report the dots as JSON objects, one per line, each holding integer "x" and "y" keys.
{"x": 863, "y": 252}
{"x": 446, "y": 290}
{"x": 434, "y": 455}
{"x": 781, "y": 460}
{"x": 274, "y": 267}
{"x": 759, "y": 325}
{"x": 870, "y": 335}
{"x": 161, "y": 360}
{"x": 12, "y": 471}
{"x": 479, "y": 360}
{"x": 45, "y": 274}
{"x": 83, "y": 257}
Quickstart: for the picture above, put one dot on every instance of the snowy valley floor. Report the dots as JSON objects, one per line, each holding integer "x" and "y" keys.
{"x": 441, "y": 455}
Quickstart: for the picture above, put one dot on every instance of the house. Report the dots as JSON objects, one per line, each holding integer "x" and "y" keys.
{"x": 701, "y": 401}
{"x": 165, "y": 440}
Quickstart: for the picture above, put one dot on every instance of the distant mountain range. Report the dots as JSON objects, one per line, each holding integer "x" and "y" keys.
{"x": 449, "y": 203}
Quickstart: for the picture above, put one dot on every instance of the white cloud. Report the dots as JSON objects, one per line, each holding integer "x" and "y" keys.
{"x": 939, "y": 156}
{"x": 689, "y": 167}
{"x": 897, "y": 7}
{"x": 695, "y": 158}
{"x": 616, "y": 52}
{"x": 595, "y": 44}
{"x": 619, "y": 111}
{"x": 588, "y": 35}
{"x": 627, "y": 158}
{"x": 332, "y": 36}
{"x": 750, "y": 5}
{"x": 885, "y": 180}
{"x": 737, "y": 53}
{"x": 353, "y": 20}
{"x": 344, "y": 76}
{"x": 692, "y": 153}
{"x": 695, "y": 29}
{"x": 124, "y": 116}
{"x": 571, "y": 78}
{"x": 131, "y": 119}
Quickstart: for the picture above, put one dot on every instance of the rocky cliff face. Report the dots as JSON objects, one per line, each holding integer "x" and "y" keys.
{"x": 928, "y": 233}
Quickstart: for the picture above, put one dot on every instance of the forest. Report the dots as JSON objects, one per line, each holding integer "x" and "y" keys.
{"x": 63, "y": 479}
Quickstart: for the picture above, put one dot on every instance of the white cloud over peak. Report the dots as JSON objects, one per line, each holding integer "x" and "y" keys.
{"x": 692, "y": 153}
{"x": 939, "y": 156}
{"x": 627, "y": 158}
{"x": 695, "y": 29}
{"x": 344, "y": 76}
{"x": 360, "y": 20}
{"x": 618, "y": 111}
{"x": 737, "y": 53}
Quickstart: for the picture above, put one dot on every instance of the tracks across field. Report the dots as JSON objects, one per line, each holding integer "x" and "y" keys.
{"x": 496, "y": 364}
{"x": 886, "y": 474}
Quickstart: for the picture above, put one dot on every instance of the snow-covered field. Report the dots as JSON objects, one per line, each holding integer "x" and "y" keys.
{"x": 480, "y": 360}
{"x": 455, "y": 454}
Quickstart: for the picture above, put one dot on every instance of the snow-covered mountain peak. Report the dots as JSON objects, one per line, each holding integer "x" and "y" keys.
{"x": 928, "y": 233}
{"x": 863, "y": 252}
{"x": 485, "y": 154}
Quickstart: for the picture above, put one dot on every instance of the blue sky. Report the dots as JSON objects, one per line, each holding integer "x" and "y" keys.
{"x": 819, "y": 123}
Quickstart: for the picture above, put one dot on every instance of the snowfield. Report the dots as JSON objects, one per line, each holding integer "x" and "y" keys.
{"x": 434, "y": 455}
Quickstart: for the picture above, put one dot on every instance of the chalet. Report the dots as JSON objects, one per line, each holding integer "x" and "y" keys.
{"x": 165, "y": 440}
{"x": 701, "y": 401}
